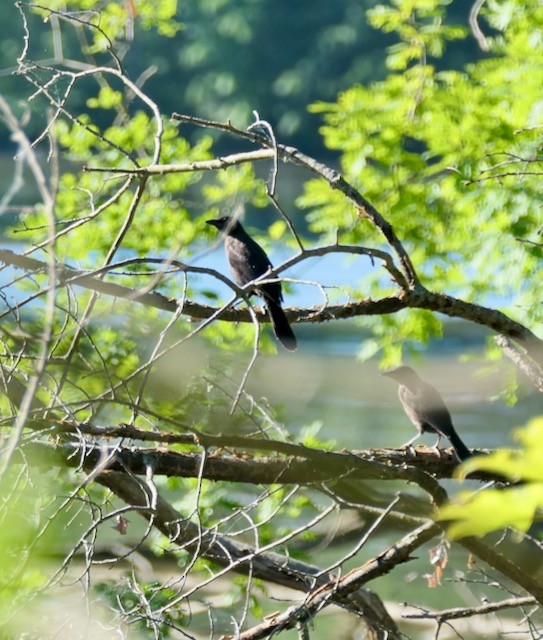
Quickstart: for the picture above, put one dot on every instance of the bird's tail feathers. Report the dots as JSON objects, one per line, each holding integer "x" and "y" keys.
{"x": 460, "y": 448}
{"x": 281, "y": 327}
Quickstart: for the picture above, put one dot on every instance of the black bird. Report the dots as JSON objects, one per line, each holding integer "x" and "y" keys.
{"x": 248, "y": 261}
{"x": 425, "y": 408}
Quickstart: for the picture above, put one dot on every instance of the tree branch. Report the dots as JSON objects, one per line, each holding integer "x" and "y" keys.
{"x": 323, "y": 595}
{"x": 440, "y": 465}
{"x": 419, "y": 299}
{"x": 522, "y": 360}
{"x": 331, "y": 467}
{"x": 468, "y": 612}
{"x": 241, "y": 558}
{"x": 195, "y": 310}
{"x": 301, "y": 465}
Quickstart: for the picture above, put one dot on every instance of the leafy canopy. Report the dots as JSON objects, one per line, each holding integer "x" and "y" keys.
{"x": 450, "y": 156}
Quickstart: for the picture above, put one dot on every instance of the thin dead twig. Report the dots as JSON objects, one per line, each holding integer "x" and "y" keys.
{"x": 241, "y": 558}
{"x": 335, "y": 586}
{"x": 468, "y": 612}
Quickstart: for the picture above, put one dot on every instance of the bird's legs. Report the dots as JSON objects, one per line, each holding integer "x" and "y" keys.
{"x": 436, "y": 445}
{"x": 409, "y": 444}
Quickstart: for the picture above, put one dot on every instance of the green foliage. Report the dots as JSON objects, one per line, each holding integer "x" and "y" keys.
{"x": 216, "y": 59}
{"x": 33, "y": 535}
{"x": 479, "y": 513}
{"x": 419, "y": 25}
{"x": 450, "y": 157}
{"x": 236, "y": 184}
{"x": 112, "y": 19}
{"x": 308, "y": 437}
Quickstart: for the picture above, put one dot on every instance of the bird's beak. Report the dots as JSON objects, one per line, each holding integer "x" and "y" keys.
{"x": 215, "y": 223}
{"x": 388, "y": 373}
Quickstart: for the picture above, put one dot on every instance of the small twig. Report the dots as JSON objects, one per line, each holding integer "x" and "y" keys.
{"x": 264, "y": 124}
{"x": 474, "y": 25}
{"x": 46, "y": 337}
{"x": 287, "y": 219}
{"x": 365, "y": 537}
{"x": 254, "y": 356}
{"x": 468, "y": 612}
{"x": 522, "y": 360}
{"x": 506, "y": 174}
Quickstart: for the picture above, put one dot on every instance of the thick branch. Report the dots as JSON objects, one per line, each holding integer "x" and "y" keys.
{"x": 419, "y": 299}
{"x": 198, "y": 311}
{"x": 320, "y": 467}
{"x": 331, "y": 467}
{"x": 308, "y": 466}
{"x": 491, "y": 318}
{"x": 440, "y": 465}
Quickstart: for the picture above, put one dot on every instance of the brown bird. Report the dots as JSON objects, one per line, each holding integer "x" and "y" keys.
{"x": 426, "y": 409}
{"x": 248, "y": 261}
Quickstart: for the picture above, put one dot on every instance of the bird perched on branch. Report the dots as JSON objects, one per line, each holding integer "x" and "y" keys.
{"x": 248, "y": 261}
{"x": 425, "y": 408}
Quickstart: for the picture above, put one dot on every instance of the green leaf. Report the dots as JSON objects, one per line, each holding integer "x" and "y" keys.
{"x": 478, "y": 513}
{"x": 492, "y": 510}
{"x": 277, "y": 230}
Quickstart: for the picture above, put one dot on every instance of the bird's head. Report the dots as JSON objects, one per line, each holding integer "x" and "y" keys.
{"x": 402, "y": 374}
{"x": 225, "y": 223}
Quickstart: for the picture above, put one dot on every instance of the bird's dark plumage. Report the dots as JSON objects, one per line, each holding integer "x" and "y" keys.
{"x": 425, "y": 408}
{"x": 248, "y": 261}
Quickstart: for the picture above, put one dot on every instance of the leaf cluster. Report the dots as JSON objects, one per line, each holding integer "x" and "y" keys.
{"x": 451, "y": 157}
{"x": 516, "y": 506}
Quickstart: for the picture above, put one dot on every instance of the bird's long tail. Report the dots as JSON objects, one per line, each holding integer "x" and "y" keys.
{"x": 281, "y": 327}
{"x": 460, "y": 448}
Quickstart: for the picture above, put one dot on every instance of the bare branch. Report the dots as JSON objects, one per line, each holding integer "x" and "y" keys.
{"x": 325, "y": 594}
{"x": 522, "y": 361}
{"x": 468, "y": 612}
{"x": 48, "y": 201}
{"x": 420, "y": 299}
{"x": 310, "y": 466}
{"x": 241, "y": 558}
